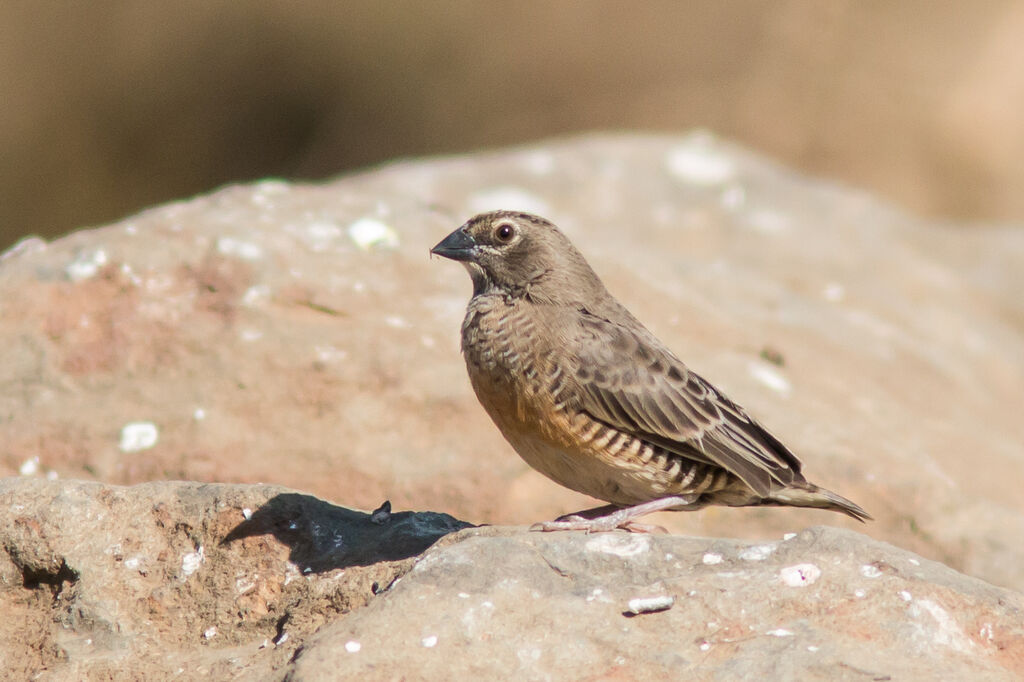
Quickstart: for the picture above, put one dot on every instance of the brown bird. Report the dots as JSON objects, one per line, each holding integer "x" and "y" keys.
{"x": 592, "y": 400}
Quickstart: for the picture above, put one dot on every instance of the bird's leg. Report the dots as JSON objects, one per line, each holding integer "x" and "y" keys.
{"x": 610, "y": 517}
{"x": 594, "y": 513}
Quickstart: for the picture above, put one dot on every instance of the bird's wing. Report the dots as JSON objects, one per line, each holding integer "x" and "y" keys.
{"x": 629, "y": 381}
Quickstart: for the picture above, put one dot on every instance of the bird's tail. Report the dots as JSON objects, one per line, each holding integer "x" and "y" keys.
{"x": 810, "y": 495}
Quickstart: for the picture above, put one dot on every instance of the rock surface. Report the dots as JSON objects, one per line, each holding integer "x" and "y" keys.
{"x": 171, "y": 579}
{"x": 300, "y": 335}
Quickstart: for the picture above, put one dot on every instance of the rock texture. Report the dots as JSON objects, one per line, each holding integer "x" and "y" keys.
{"x": 300, "y": 335}
{"x": 826, "y": 604}
{"x": 165, "y": 579}
{"x": 189, "y": 580}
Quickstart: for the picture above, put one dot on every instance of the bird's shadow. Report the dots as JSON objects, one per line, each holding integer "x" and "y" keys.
{"x": 322, "y": 536}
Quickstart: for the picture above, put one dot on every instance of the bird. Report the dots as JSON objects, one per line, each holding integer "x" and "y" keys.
{"x": 591, "y": 399}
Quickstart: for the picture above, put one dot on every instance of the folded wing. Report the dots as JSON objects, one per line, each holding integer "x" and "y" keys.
{"x": 631, "y": 382}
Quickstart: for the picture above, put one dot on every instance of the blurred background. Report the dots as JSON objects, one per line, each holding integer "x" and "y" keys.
{"x": 108, "y": 107}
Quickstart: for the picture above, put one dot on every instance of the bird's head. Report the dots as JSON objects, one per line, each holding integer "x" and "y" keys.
{"x": 518, "y": 254}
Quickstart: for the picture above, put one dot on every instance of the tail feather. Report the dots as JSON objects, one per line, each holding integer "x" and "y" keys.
{"x": 810, "y": 495}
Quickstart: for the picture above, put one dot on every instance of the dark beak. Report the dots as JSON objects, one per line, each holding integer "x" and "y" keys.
{"x": 457, "y": 246}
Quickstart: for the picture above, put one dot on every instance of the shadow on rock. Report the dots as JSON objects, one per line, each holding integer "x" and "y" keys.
{"x": 323, "y": 536}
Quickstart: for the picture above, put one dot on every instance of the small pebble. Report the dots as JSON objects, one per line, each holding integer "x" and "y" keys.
{"x": 137, "y": 436}
{"x": 641, "y": 605}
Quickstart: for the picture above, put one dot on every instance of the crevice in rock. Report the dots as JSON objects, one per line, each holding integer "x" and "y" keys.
{"x": 34, "y": 578}
{"x": 279, "y": 627}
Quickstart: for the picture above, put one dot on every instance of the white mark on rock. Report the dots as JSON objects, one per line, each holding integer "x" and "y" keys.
{"x": 321, "y": 234}
{"x": 191, "y": 562}
{"x": 947, "y": 632}
{"x": 800, "y": 575}
{"x": 812, "y": 648}
{"x": 370, "y": 233}
{"x": 834, "y": 292}
{"x": 291, "y": 571}
{"x": 788, "y": 536}
{"x": 711, "y": 558}
{"x": 255, "y": 295}
{"x": 352, "y": 646}
{"x": 463, "y": 595}
{"x": 619, "y": 544}
{"x": 126, "y": 270}
{"x": 86, "y": 265}
{"x": 131, "y": 563}
{"x": 986, "y": 631}
{"x": 905, "y": 596}
{"x": 282, "y": 638}
{"x": 250, "y": 335}
{"x": 507, "y": 198}
{"x": 229, "y": 246}
{"x": 699, "y": 163}
{"x": 29, "y": 467}
{"x": 639, "y": 605}
{"x": 869, "y": 571}
{"x": 137, "y": 436}
{"x": 429, "y": 641}
{"x": 328, "y": 354}
{"x": 247, "y": 513}
{"x": 597, "y": 592}
{"x": 756, "y": 553}
{"x": 859, "y": 594}
{"x": 914, "y": 561}
{"x": 733, "y": 197}
{"x": 244, "y": 584}
{"x": 705, "y": 645}
{"x": 780, "y": 632}
{"x": 396, "y": 322}
{"x": 199, "y": 414}
{"x": 770, "y": 377}
{"x": 210, "y": 632}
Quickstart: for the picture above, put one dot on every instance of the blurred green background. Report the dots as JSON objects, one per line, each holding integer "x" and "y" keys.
{"x": 108, "y": 107}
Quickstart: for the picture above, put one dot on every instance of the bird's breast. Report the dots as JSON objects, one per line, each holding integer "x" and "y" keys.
{"x": 510, "y": 361}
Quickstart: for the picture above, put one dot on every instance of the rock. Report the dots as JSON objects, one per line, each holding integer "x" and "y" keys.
{"x": 100, "y": 581}
{"x": 178, "y": 579}
{"x": 827, "y": 604}
{"x": 301, "y": 335}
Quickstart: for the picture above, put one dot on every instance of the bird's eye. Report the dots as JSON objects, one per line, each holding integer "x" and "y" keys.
{"x": 504, "y": 233}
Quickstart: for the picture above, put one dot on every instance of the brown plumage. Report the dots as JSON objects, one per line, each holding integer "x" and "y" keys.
{"x": 592, "y": 400}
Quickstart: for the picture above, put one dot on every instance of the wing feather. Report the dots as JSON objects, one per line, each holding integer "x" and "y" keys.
{"x": 630, "y": 381}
